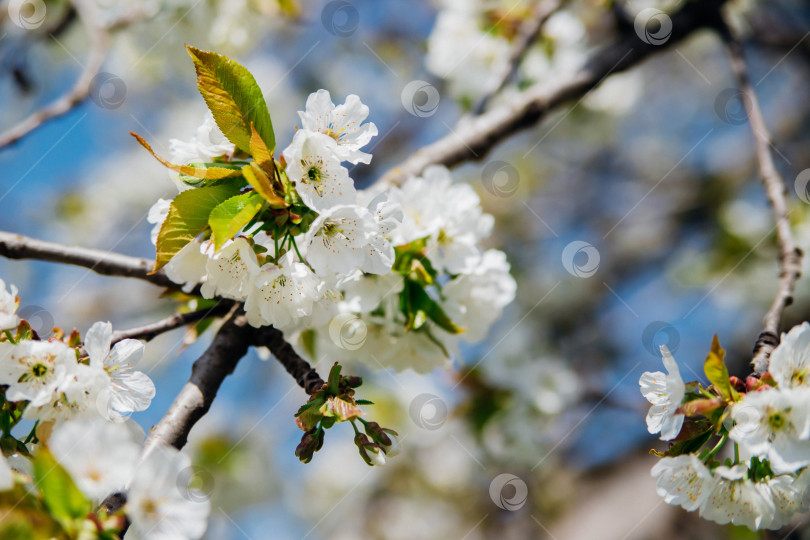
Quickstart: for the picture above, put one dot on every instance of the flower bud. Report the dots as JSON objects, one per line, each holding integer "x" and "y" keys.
{"x": 311, "y": 442}
{"x": 371, "y": 453}
{"x": 737, "y": 383}
{"x": 353, "y": 381}
{"x": 385, "y": 438}
{"x": 392, "y": 449}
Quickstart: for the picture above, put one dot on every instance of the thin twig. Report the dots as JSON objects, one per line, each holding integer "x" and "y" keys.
{"x": 99, "y": 44}
{"x": 17, "y": 246}
{"x": 527, "y": 35}
{"x": 790, "y": 255}
{"x": 480, "y": 134}
{"x": 150, "y": 331}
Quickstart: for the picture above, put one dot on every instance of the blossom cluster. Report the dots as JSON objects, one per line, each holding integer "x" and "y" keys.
{"x": 473, "y": 40}
{"x": 398, "y": 270}
{"x": 55, "y": 381}
{"x": 78, "y": 395}
{"x": 767, "y": 419}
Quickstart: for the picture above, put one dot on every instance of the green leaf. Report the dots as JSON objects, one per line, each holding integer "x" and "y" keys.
{"x": 262, "y": 155}
{"x": 716, "y": 371}
{"x": 256, "y": 177}
{"x": 231, "y": 215}
{"x": 204, "y": 171}
{"x": 333, "y": 381}
{"x": 689, "y": 446}
{"x": 61, "y": 496}
{"x": 233, "y": 97}
{"x": 341, "y": 409}
{"x": 419, "y": 307}
{"x": 187, "y": 218}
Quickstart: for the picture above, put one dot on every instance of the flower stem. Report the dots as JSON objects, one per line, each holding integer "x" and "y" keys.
{"x": 295, "y": 246}
{"x": 714, "y": 450}
{"x": 10, "y": 337}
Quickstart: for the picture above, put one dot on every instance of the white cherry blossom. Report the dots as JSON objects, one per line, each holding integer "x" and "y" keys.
{"x": 208, "y": 143}
{"x": 734, "y": 498}
{"x": 774, "y": 424}
{"x": 187, "y": 267}
{"x": 129, "y": 390}
{"x": 683, "y": 481}
{"x": 159, "y": 501}
{"x": 790, "y": 361}
{"x": 345, "y": 238}
{"x": 8, "y": 307}
{"x": 100, "y": 456}
{"x": 665, "y": 392}
{"x": 474, "y": 301}
{"x": 343, "y": 123}
{"x": 319, "y": 178}
{"x": 75, "y": 395}
{"x": 156, "y": 216}
{"x": 282, "y": 294}
{"x": 34, "y": 369}
{"x": 230, "y": 272}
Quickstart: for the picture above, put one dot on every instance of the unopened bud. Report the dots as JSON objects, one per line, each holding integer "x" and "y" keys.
{"x": 311, "y": 442}
{"x": 353, "y": 381}
{"x": 737, "y": 383}
{"x": 371, "y": 453}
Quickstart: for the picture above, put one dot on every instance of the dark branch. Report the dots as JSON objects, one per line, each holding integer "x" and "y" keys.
{"x": 790, "y": 255}
{"x": 527, "y": 35}
{"x": 99, "y": 44}
{"x": 209, "y": 370}
{"x": 479, "y": 135}
{"x": 17, "y": 246}
{"x": 150, "y": 331}
{"x": 304, "y": 374}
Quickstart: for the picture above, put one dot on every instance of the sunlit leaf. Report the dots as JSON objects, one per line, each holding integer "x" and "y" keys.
{"x": 261, "y": 154}
{"x": 233, "y": 97}
{"x": 419, "y": 307}
{"x": 200, "y": 170}
{"x": 716, "y": 371}
{"x": 256, "y": 177}
{"x": 64, "y": 500}
{"x": 187, "y": 218}
{"x": 231, "y": 215}
{"x": 341, "y": 409}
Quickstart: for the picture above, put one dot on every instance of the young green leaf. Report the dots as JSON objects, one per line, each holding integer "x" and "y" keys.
{"x": 420, "y": 306}
{"x": 58, "y": 490}
{"x": 188, "y": 217}
{"x": 716, "y": 371}
{"x": 233, "y": 97}
{"x": 203, "y": 171}
{"x": 261, "y": 183}
{"x": 261, "y": 154}
{"x": 231, "y": 215}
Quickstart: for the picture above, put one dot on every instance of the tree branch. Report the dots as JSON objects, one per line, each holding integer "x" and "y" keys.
{"x": 479, "y": 135}
{"x": 304, "y": 374}
{"x": 217, "y": 362}
{"x": 100, "y": 42}
{"x": 150, "y": 331}
{"x": 17, "y": 246}
{"x": 790, "y": 255}
{"x": 527, "y": 35}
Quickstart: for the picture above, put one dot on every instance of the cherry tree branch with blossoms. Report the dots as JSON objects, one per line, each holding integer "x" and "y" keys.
{"x": 474, "y": 137}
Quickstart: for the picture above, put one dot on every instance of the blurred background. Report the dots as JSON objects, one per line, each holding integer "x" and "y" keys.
{"x": 632, "y": 219}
